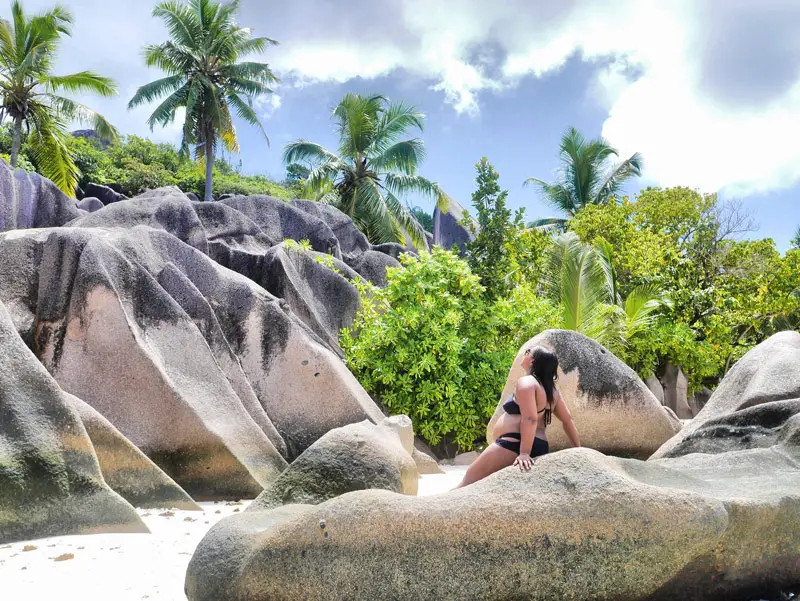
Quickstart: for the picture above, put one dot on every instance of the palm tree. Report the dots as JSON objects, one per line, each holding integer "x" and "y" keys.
{"x": 584, "y": 179}
{"x": 373, "y": 169}
{"x": 582, "y": 282}
{"x": 29, "y": 92}
{"x": 204, "y": 77}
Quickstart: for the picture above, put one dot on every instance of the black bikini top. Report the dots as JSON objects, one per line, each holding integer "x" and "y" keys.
{"x": 512, "y": 408}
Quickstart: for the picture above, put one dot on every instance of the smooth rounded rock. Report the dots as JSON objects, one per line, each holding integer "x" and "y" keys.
{"x": 611, "y": 407}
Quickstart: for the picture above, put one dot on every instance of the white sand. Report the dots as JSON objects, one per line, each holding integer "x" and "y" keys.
{"x": 128, "y": 567}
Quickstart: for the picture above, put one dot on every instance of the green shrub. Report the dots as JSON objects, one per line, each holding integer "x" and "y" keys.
{"x": 431, "y": 347}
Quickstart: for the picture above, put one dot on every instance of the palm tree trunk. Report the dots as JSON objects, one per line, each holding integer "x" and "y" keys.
{"x": 209, "y": 168}
{"x": 16, "y": 142}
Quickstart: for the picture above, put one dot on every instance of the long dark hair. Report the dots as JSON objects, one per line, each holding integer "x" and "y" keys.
{"x": 545, "y": 370}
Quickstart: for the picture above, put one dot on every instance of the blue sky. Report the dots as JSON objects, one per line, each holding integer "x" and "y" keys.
{"x": 707, "y": 90}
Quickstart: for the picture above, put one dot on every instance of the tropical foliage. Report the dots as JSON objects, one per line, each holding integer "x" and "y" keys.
{"x": 204, "y": 76}
{"x": 369, "y": 176}
{"x": 504, "y": 254}
{"x": 134, "y": 164}
{"x": 727, "y": 294}
{"x": 581, "y": 281}
{"x": 424, "y": 218}
{"x": 432, "y": 347}
{"x": 31, "y": 94}
{"x": 585, "y": 177}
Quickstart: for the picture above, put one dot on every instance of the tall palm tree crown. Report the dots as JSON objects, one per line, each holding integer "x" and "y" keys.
{"x": 373, "y": 168}
{"x": 29, "y": 92}
{"x": 204, "y": 77}
{"x": 583, "y": 177}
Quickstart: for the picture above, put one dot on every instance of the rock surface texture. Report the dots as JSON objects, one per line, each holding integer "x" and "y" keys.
{"x": 752, "y": 406}
{"x": 138, "y": 310}
{"x": 354, "y": 457}
{"x": 614, "y": 411}
{"x": 50, "y": 480}
{"x": 125, "y": 468}
{"x": 716, "y": 525}
{"x": 447, "y": 231}
{"x": 29, "y": 200}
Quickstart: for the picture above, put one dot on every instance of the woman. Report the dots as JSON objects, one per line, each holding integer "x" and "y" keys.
{"x": 520, "y": 431}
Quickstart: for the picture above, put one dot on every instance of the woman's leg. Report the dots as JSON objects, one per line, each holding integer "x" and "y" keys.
{"x": 492, "y": 460}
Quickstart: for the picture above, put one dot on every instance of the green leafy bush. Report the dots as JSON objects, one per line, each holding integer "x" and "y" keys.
{"x": 430, "y": 346}
{"x": 137, "y": 163}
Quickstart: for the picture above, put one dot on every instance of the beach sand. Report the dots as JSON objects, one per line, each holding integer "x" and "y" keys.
{"x": 129, "y": 567}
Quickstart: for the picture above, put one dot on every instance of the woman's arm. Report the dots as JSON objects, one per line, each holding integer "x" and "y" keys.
{"x": 565, "y": 417}
{"x": 526, "y": 399}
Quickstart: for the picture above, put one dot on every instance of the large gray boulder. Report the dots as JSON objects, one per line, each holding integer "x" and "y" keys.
{"x": 50, "y": 480}
{"x": 167, "y": 209}
{"x": 612, "y": 408}
{"x": 280, "y": 220}
{"x": 90, "y": 204}
{"x": 322, "y": 296}
{"x": 351, "y": 241}
{"x": 125, "y": 468}
{"x": 115, "y": 313}
{"x": 103, "y": 193}
{"x": 758, "y": 393}
{"x": 714, "y": 525}
{"x": 27, "y": 200}
{"x": 447, "y": 231}
{"x": 372, "y": 266}
{"x": 111, "y": 314}
{"x": 394, "y": 249}
{"x": 579, "y": 526}
{"x": 354, "y": 457}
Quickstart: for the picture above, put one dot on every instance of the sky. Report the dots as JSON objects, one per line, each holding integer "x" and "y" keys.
{"x": 708, "y": 91}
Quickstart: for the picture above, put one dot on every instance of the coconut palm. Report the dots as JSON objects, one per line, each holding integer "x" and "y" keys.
{"x": 30, "y": 92}
{"x": 582, "y": 282}
{"x": 204, "y": 77}
{"x": 373, "y": 169}
{"x": 584, "y": 178}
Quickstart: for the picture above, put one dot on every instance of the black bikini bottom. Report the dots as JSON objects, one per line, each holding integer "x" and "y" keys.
{"x": 540, "y": 446}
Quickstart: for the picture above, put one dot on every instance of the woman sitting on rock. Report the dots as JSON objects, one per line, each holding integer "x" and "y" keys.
{"x": 520, "y": 432}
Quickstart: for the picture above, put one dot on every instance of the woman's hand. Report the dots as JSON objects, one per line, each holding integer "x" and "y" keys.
{"x": 525, "y": 462}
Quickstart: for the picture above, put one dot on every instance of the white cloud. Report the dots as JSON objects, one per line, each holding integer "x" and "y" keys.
{"x": 664, "y": 72}
{"x": 267, "y": 105}
{"x": 707, "y": 90}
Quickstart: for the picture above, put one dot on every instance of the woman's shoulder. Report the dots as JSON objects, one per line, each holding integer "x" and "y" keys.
{"x": 528, "y": 382}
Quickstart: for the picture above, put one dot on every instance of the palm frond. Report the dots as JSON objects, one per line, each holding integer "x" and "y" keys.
{"x": 557, "y": 195}
{"x": 85, "y": 81}
{"x": 401, "y": 184}
{"x": 258, "y": 72}
{"x": 405, "y": 221}
{"x": 156, "y": 89}
{"x": 307, "y": 152}
{"x": 619, "y": 174}
{"x": 164, "y": 114}
{"x": 640, "y": 307}
{"x": 246, "y": 113}
{"x": 393, "y": 121}
{"x": 577, "y": 283}
{"x": 50, "y": 154}
{"x": 370, "y": 211}
{"x": 605, "y": 256}
{"x": 180, "y": 22}
{"x": 72, "y": 110}
{"x": 170, "y": 58}
{"x": 255, "y": 46}
{"x": 549, "y": 224}
{"x": 357, "y": 119}
{"x": 402, "y": 156}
